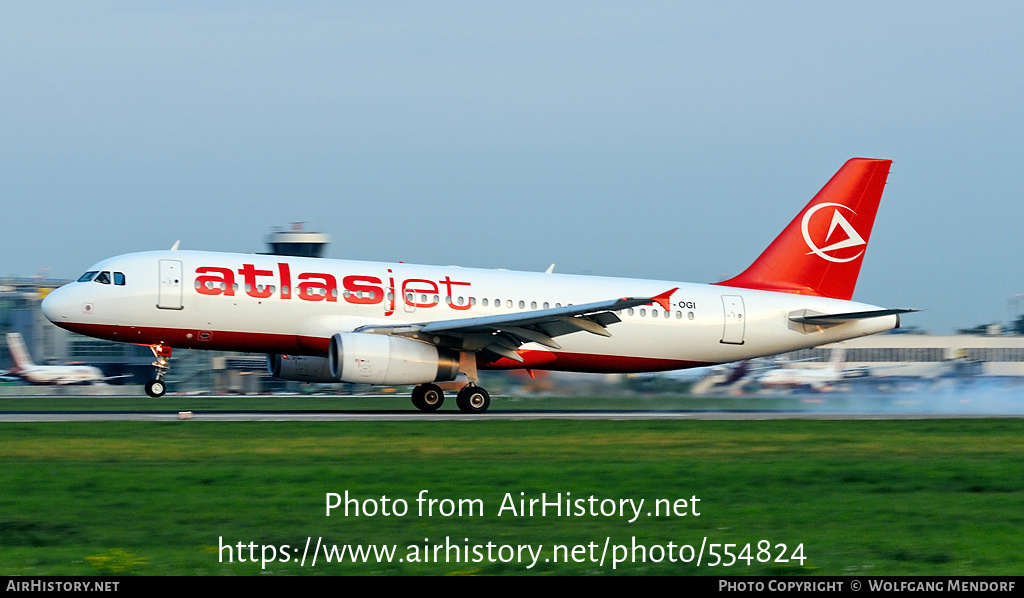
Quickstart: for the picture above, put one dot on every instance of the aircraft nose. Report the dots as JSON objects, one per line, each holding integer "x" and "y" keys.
{"x": 56, "y": 305}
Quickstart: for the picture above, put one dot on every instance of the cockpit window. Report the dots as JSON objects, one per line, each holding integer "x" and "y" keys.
{"x": 119, "y": 278}
{"x": 102, "y": 278}
{"x": 87, "y": 276}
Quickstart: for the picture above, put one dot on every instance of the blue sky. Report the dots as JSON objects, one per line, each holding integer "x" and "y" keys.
{"x": 667, "y": 140}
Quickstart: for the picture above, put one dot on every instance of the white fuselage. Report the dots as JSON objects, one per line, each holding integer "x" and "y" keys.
{"x": 286, "y": 305}
{"x": 61, "y": 374}
{"x": 793, "y": 377}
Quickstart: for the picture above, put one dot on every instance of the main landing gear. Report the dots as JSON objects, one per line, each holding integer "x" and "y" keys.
{"x": 427, "y": 397}
{"x": 156, "y": 388}
{"x": 471, "y": 399}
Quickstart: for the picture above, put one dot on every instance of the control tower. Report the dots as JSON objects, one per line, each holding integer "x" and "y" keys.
{"x": 296, "y": 242}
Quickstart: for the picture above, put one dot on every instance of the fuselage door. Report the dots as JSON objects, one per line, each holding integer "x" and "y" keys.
{"x": 170, "y": 285}
{"x": 732, "y": 333}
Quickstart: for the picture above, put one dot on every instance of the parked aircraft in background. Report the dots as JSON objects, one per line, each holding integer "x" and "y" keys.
{"x": 815, "y": 378}
{"x": 325, "y": 320}
{"x": 27, "y": 370}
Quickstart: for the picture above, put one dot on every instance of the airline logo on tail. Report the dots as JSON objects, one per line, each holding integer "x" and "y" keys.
{"x": 853, "y": 238}
{"x": 824, "y": 227}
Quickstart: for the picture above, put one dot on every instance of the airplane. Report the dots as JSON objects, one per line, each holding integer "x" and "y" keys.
{"x": 324, "y": 320}
{"x": 817, "y": 379}
{"x": 28, "y": 371}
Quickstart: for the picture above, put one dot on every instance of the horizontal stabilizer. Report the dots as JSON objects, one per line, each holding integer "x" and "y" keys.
{"x": 827, "y": 319}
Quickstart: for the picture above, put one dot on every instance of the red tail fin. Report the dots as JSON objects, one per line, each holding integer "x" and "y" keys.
{"x": 821, "y": 250}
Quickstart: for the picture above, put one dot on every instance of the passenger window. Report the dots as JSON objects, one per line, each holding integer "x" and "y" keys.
{"x": 102, "y": 278}
{"x": 119, "y": 278}
{"x": 88, "y": 276}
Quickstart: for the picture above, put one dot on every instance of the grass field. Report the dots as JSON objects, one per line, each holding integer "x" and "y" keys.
{"x": 862, "y": 497}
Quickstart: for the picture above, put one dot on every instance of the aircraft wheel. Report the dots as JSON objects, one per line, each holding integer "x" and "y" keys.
{"x": 427, "y": 397}
{"x": 156, "y": 388}
{"x": 473, "y": 399}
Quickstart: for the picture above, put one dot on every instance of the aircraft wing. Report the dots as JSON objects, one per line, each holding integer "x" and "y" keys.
{"x": 504, "y": 334}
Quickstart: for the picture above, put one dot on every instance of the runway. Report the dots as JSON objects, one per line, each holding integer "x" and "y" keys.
{"x": 397, "y": 408}
{"x": 413, "y": 416}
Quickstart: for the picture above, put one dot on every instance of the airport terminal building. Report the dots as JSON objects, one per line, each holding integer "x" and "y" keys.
{"x": 924, "y": 355}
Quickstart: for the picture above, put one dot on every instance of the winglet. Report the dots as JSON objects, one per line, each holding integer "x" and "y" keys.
{"x": 662, "y": 299}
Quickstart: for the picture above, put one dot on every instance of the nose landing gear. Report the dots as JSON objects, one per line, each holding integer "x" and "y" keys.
{"x": 156, "y": 388}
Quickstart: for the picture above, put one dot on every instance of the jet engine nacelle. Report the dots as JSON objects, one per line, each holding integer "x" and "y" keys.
{"x": 380, "y": 359}
{"x": 300, "y": 368}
